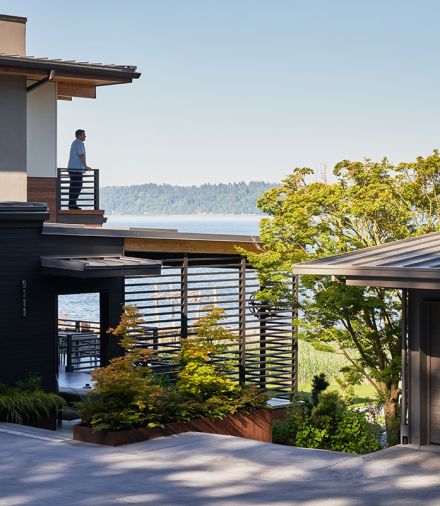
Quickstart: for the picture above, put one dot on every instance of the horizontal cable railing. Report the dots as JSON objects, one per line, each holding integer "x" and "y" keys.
{"x": 80, "y": 189}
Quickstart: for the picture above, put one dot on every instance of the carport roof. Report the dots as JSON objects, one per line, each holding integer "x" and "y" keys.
{"x": 99, "y": 266}
{"x": 409, "y": 263}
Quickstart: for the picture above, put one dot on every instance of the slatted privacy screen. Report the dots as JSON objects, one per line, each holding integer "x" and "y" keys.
{"x": 263, "y": 350}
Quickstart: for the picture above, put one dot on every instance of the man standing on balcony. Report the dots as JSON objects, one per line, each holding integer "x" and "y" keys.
{"x": 77, "y": 166}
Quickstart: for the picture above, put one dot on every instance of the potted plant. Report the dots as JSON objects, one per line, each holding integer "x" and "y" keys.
{"x": 130, "y": 403}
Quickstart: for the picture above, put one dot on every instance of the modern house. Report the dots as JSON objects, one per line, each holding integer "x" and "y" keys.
{"x": 30, "y": 88}
{"x": 47, "y": 251}
{"x": 413, "y": 266}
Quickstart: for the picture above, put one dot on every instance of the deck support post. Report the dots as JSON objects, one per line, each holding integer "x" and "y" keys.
{"x": 184, "y": 298}
{"x": 242, "y": 322}
{"x": 404, "y": 357}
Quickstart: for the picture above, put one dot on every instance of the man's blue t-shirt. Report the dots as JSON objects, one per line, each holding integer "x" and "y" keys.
{"x": 77, "y": 148}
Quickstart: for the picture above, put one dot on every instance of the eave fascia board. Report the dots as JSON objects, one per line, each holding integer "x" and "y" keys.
{"x": 371, "y": 272}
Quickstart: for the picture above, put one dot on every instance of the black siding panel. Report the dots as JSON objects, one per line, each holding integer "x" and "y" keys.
{"x": 28, "y": 344}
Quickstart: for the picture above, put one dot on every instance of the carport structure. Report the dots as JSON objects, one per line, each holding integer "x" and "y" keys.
{"x": 413, "y": 266}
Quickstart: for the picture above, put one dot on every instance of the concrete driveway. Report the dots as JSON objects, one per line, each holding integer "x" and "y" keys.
{"x": 39, "y": 467}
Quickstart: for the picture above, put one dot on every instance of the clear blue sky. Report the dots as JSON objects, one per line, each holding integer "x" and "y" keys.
{"x": 245, "y": 89}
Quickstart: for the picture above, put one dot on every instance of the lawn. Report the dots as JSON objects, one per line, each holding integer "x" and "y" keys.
{"x": 311, "y": 362}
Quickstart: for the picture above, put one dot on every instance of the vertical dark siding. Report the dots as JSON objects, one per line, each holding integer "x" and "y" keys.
{"x": 13, "y": 104}
{"x": 28, "y": 344}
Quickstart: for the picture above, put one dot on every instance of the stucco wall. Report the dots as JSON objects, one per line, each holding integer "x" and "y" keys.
{"x": 12, "y": 37}
{"x": 42, "y": 131}
{"x": 13, "y": 138}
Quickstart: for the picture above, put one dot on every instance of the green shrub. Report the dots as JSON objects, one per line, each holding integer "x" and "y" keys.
{"x": 203, "y": 383}
{"x": 27, "y": 402}
{"x": 319, "y": 384}
{"x": 128, "y": 395}
{"x": 125, "y": 395}
{"x": 329, "y": 424}
{"x": 354, "y": 434}
{"x": 285, "y": 432}
{"x": 201, "y": 376}
{"x": 309, "y": 436}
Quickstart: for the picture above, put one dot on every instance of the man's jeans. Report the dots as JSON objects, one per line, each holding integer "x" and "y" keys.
{"x": 76, "y": 184}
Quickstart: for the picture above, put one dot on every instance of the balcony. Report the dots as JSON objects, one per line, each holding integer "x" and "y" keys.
{"x": 86, "y": 211}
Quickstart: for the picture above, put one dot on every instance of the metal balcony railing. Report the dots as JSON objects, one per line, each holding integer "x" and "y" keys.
{"x": 78, "y": 345}
{"x": 67, "y": 187}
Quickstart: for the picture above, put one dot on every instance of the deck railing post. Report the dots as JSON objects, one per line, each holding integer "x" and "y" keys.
{"x": 58, "y": 190}
{"x": 242, "y": 322}
{"x": 96, "y": 189}
{"x": 294, "y": 377}
{"x": 263, "y": 336}
{"x": 184, "y": 298}
{"x": 69, "y": 365}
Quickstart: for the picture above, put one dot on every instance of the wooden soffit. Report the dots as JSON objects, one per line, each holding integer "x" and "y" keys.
{"x": 36, "y": 75}
{"x": 142, "y": 245}
{"x": 75, "y": 90}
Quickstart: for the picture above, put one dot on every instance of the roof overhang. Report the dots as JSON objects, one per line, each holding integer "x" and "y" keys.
{"x": 138, "y": 240}
{"x": 107, "y": 266}
{"x": 409, "y": 263}
{"x": 74, "y": 79}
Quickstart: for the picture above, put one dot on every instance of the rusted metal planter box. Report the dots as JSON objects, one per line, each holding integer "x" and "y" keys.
{"x": 256, "y": 425}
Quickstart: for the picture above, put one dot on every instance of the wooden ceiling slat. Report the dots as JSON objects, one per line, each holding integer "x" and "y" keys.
{"x": 76, "y": 90}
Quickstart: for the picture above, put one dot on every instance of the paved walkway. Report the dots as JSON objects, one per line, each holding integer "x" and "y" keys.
{"x": 39, "y": 467}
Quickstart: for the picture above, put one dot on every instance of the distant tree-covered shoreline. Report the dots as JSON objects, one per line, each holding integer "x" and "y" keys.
{"x": 223, "y": 198}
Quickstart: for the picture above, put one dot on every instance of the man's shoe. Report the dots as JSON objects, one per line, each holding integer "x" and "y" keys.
{"x": 74, "y": 208}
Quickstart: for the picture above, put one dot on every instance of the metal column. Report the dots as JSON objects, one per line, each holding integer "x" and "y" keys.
{"x": 242, "y": 322}
{"x": 404, "y": 356}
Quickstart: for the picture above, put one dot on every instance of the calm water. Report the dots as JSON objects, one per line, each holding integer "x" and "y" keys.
{"x": 86, "y": 306}
{"x": 215, "y": 224}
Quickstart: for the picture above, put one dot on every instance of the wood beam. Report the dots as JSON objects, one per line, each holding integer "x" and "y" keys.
{"x": 139, "y": 245}
{"x": 75, "y": 90}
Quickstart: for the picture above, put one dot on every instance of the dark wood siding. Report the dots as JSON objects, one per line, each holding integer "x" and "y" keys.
{"x": 28, "y": 343}
{"x": 43, "y": 189}
{"x": 424, "y": 367}
{"x": 434, "y": 369}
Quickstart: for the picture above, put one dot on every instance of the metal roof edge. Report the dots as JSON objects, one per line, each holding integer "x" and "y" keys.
{"x": 376, "y": 271}
{"x": 384, "y": 246}
{"x": 13, "y": 19}
{"x": 78, "y": 68}
{"x": 72, "y": 230}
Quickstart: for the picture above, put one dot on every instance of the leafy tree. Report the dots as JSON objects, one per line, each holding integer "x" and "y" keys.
{"x": 125, "y": 394}
{"x": 203, "y": 382}
{"x": 151, "y": 198}
{"x": 370, "y": 203}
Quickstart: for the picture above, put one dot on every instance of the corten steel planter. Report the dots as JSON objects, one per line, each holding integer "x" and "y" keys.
{"x": 256, "y": 425}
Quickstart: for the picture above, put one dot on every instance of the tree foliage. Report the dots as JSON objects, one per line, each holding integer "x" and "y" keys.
{"x": 225, "y": 198}
{"x": 128, "y": 394}
{"x": 368, "y": 204}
